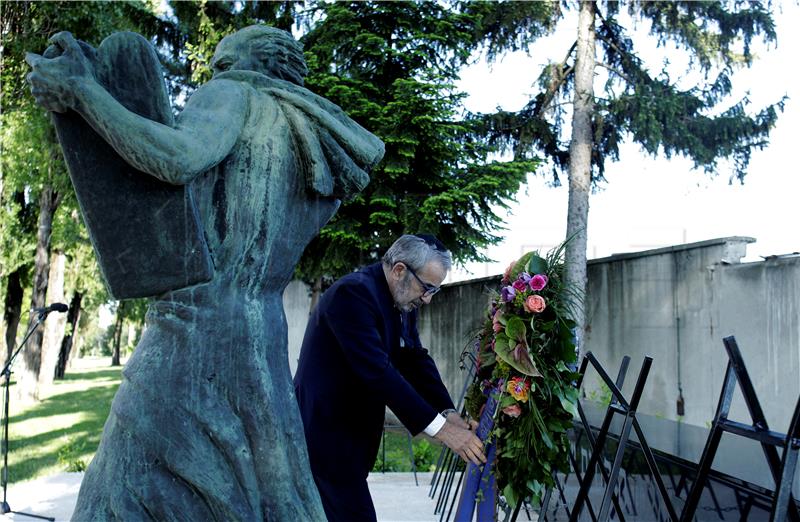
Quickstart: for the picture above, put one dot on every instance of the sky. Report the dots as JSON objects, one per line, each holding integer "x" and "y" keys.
{"x": 649, "y": 203}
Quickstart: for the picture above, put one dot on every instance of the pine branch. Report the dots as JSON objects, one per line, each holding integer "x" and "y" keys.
{"x": 615, "y": 71}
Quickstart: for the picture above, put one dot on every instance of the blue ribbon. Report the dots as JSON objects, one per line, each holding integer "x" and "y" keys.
{"x": 481, "y": 478}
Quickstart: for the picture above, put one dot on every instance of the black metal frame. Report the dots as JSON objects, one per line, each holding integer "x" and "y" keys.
{"x": 782, "y": 470}
{"x": 781, "y": 504}
{"x": 449, "y": 464}
{"x": 627, "y": 408}
{"x": 623, "y": 370}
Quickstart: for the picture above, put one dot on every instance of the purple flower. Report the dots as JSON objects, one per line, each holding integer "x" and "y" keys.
{"x": 507, "y": 294}
{"x": 538, "y": 282}
{"x": 525, "y": 277}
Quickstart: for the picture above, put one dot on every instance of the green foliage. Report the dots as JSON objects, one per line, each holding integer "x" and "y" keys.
{"x": 31, "y": 158}
{"x": 601, "y": 394}
{"x": 392, "y": 67}
{"x": 397, "y": 458}
{"x": 650, "y": 109}
{"x": 202, "y": 24}
{"x": 510, "y": 26}
{"x": 67, "y": 455}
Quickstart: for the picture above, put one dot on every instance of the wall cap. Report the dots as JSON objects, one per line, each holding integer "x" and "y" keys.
{"x": 722, "y": 241}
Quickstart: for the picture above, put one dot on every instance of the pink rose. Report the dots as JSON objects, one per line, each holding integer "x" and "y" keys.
{"x": 497, "y": 327}
{"x": 519, "y": 285}
{"x": 538, "y": 282}
{"x": 513, "y": 411}
{"x": 534, "y": 304}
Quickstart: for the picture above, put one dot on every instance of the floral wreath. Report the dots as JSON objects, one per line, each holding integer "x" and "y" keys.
{"x": 526, "y": 359}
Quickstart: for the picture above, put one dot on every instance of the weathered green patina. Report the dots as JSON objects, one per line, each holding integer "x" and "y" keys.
{"x": 205, "y": 424}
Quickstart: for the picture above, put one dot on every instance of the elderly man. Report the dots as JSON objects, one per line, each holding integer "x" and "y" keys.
{"x": 204, "y": 424}
{"x": 361, "y": 353}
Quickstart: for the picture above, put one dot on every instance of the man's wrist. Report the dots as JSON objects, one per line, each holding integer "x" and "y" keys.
{"x": 448, "y": 411}
{"x": 435, "y": 426}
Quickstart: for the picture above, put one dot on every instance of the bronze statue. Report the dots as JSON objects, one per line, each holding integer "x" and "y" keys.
{"x": 205, "y": 424}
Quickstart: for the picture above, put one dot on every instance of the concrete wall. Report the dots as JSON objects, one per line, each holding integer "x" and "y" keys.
{"x": 449, "y": 324}
{"x": 674, "y": 304}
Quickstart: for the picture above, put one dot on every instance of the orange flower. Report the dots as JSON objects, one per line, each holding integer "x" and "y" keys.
{"x": 534, "y": 304}
{"x": 518, "y": 388}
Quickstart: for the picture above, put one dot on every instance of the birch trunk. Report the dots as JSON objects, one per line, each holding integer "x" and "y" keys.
{"x": 580, "y": 159}
{"x": 53, "y": 332}
{"x": 28, "y": 387}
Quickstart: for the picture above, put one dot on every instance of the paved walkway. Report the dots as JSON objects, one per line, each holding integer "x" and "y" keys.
{"x": 396, "y": 497}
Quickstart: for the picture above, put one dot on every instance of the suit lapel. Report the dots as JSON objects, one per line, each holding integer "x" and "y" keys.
{"x": 390, "y": 314}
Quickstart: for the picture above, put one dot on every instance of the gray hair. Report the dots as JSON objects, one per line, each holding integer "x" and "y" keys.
{"x": 416, "y": 251}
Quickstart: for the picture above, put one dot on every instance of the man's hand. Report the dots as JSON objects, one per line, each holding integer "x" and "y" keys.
{"x": 462, "y": 441}
{"x": 459, "y": 421}
{"x": 54, "y": 76}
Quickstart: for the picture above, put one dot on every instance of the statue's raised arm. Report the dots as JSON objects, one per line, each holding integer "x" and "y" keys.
{"x": 205, "y": 424}
{"x": 205, "y": 132}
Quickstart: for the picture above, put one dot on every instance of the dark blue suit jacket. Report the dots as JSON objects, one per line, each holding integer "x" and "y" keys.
{"x": 352, "y": 366}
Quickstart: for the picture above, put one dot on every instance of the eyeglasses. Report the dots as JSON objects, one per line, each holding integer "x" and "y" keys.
{"x": 430, "y": 290}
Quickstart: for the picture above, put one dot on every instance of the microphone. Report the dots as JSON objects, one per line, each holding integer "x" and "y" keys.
{"x": 55, "y": 307}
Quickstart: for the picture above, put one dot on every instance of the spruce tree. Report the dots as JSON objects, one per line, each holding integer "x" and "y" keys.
{"x": 616, "y": 96}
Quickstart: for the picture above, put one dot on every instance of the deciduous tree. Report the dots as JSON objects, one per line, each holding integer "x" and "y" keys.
{"x": 35, "y": 183}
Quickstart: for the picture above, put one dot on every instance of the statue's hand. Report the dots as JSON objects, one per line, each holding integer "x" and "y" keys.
{"x": 55, "y": 76}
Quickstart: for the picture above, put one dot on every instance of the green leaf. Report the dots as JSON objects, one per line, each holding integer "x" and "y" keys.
{"x": 524, "y": 365}
{"x": 521, "y": 265}
{"x": 515, "y": 329}
{"x": 568, "y": 405}
{"x": 500, "y": 339}
{"x": 545, "y": 326}
{"x": 537, "y": 265}
{"x": 511, "y": 496}
{"x": 507, "y": 401}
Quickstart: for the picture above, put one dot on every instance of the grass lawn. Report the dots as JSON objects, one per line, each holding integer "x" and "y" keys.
{"x": 62, "y": 432}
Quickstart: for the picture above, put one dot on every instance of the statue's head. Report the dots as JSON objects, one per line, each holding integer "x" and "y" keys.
{"x": 270, "y": 51}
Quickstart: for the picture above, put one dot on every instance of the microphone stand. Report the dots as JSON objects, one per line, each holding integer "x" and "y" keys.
{"x": 5, "y": 508}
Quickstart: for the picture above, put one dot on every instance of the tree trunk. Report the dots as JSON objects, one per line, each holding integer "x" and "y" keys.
{"x": 580, "y": 160}
{"x": 115, "y": 359}
{"x": 12, "y": 310}
{"x": 28, "y": 387}
{"x": 56, "y": 323}
{"x": 73, "y": 316}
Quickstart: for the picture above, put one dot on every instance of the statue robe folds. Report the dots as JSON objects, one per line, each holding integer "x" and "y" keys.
{"x": 205, "y": 425}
